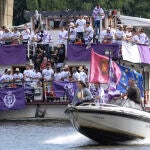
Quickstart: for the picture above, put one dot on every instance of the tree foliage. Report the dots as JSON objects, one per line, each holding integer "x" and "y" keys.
{"x": 137, "y": 8}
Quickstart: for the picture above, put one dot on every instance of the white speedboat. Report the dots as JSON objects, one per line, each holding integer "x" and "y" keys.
{"x": 108, "y": 123}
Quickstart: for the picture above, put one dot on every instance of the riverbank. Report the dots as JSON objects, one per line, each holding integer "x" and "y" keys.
{"x": 36, "y": 112}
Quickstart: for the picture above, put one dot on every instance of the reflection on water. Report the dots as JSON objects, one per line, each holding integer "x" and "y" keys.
{"x": 53, "y": 135}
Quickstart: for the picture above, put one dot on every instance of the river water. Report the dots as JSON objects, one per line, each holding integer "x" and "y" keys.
{"x": 53, "y": 135}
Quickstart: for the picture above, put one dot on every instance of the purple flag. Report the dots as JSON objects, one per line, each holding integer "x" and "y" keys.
{"x": 64, "y": 87}
{"x": 144, "y": 53}
{"x": 80, "y": 53}
{"x": 10, "y": 55}
{"x": 12, "y": 98}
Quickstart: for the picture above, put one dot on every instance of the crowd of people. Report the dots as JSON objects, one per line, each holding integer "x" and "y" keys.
{"x": 48, "y": 65}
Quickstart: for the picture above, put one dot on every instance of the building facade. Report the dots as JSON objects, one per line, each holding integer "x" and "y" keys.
{"x": 6, "y": 12}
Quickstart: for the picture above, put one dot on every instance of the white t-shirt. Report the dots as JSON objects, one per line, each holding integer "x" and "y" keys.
{"x": 57, "y": 76}
{"x": 36, "y": 76}
{"x": 89, "y": 32}
{"x": 16, "y": 35}
{"x": 25, "y": 34}
{"x": 83, "y": 76}
{"x": 97, "y": 12}
{"x": 76, "y": 76}
{"x": 62, "y": 37}
{"x": 80, "y": 25}
{"x": 18, "y": 77}
{"x": 73, "y": 32}
{"x": 27, "y": 75}
{"x": 47, "y": 73}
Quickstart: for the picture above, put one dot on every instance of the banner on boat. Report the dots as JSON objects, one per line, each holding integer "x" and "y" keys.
{"x": 12, "y": 98}
{"x": 10, "y": 55}
{"x": 64, "y": 87}
{"x": 99, "y": 69}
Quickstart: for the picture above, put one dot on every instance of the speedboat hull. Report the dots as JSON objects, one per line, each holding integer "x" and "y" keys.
{"x": 109, "y": 123}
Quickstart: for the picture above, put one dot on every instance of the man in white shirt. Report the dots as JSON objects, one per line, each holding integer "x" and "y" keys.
{"x": 119, "y": 35}
{"x": 48, "y": 73}
{"x": 80, "y": 24}
{"x": 72, "y": 33}
{"x": 88, "y": 34}
{"x": 25, "y": 34}
{"x": 107, "y": 36}
{"x": 75, "y": 74}
{"x": 7, "y": 36}
{"x": 18, "y": 77}
{"x": 63, "y": 36}
{"x": 16, "y": 36}
{"x": 83, "y": 75}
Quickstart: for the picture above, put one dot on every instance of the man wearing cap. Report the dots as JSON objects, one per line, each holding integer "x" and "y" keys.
{"x": 18, "y": 77}
{"x": 7, "y": 78}
{"x": 72, "y": 33}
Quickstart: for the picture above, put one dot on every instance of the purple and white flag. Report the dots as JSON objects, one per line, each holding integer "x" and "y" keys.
{"x": 64, "y": 87}
{"x": 12, "y": 98}
{"x": 130, "y": 52}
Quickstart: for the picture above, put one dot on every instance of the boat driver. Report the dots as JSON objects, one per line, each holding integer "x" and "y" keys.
{"x": 82, "y": 95}
{"x": 133, "y": 94}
